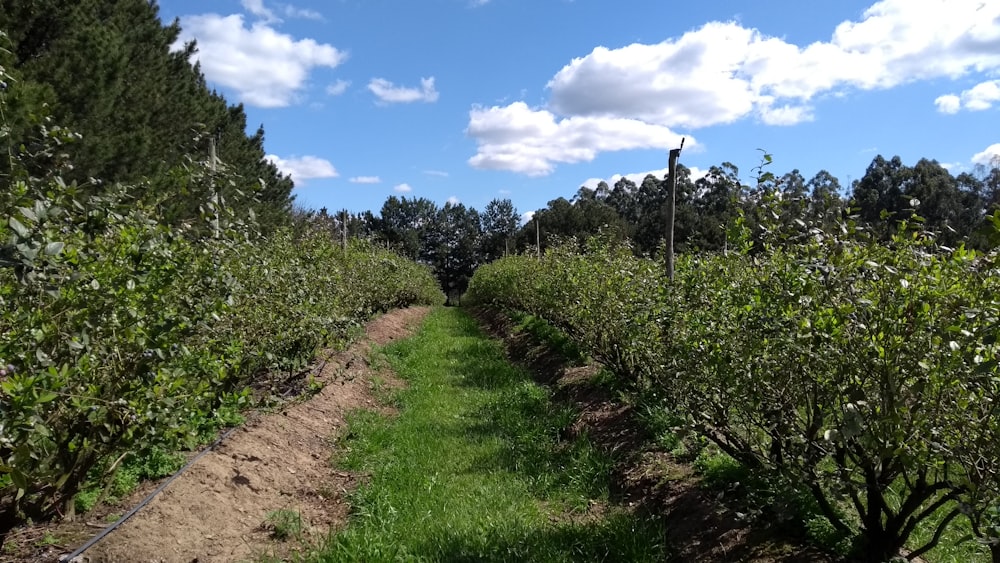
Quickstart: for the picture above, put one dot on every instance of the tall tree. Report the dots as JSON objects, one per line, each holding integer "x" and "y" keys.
{"x": 499, "y": 221}
{"x": 719, "y": 196}
{"x": 404, "y": 224}
{"x": 825, "y": 202}
{"x": 109, "y": 71}
{"x": 879, "y": 196}
{"x": 452, "y": 248}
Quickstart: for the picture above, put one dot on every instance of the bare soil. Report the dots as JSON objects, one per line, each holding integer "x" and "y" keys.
{"x": 699, "y": 525}
{"x": 218, "y": 509}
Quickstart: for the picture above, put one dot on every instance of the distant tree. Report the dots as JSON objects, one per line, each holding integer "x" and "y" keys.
{"x": 563, "y": 220}
{"x": 720, "y": 194}
{"x": 453, "y": 247}
{"x": 935, "y": 195}
{"x": 879, "y": 197}
{"x": 500, "y": 222}
{"x": 404, "y": 225}
{"x": 825, "y": 202}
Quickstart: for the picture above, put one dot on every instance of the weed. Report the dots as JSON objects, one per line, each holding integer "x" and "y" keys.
{"x": 284, "y": 524}
{"x": 47, "y": 540}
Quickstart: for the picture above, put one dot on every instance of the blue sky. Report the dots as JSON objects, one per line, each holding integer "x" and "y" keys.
{"x": 471, "y": 100}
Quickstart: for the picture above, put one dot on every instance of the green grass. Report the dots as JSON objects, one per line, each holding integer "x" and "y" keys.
{"x": 473, "y": 468}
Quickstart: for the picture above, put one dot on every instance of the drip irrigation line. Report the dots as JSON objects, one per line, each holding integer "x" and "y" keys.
{"x": 69, "y": 558}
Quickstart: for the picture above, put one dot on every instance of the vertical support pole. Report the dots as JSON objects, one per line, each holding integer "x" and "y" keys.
{"x": 343, "y": 230}
{"x": 212, "y": 161}
{"x": 538, "y": 238}
{"x": 671, "y": 204}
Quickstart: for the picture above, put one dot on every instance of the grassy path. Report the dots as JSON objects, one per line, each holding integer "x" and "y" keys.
{"x": 473, "y": 467}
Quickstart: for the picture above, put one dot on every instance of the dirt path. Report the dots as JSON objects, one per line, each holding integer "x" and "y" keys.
{"x": 216, "y": 510}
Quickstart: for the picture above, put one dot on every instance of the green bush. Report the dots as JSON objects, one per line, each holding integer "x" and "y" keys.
{"x": 863, "y": 372}
{"x": 121, "y": 331}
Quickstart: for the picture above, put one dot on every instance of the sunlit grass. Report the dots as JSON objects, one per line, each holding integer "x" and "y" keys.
{"x": 473, "y": 468}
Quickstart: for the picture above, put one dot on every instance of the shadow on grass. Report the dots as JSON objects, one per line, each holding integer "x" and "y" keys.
{"x": 471, "y": 417}
{"x": 613, "y": 538}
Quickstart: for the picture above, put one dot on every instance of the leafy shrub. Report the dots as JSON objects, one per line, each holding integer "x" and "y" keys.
{"x": 863, "y": 372}
{"x": 123, "y": 332}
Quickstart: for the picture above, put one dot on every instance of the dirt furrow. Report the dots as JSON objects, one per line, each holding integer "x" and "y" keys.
{"x": 218, "y": 509}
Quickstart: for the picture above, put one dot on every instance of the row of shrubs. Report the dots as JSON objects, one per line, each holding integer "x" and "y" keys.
{"x": 862, "y": 374}
{"x": 120, "y": 332}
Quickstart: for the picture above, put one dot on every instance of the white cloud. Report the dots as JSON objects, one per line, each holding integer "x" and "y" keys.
{"x": 439, "y": 173}
{"x": 723, "y": 72}
{"x": 980, "y": 97}
{"x": 338, "y": 87}
{"x": 504, "y": 192}
{"x": 403, "y": 188}
{"x": 987, "y": 157}
{"x": 520, "y": 139}
{"x": 301, "y": 13}
{"x": 454, "y": 200}
{"x": 304, "y": 168}
{"x": 267, "y": 15}
{"x": 365, "y": 180}
{"x": 948, "y": 103}
{"x": 784, "y": 115}
{"x": 389, "y": 93}
{"x": 265, "y": 67}
{"x": 256, "y": 7}
{"x": 527, "y": 216}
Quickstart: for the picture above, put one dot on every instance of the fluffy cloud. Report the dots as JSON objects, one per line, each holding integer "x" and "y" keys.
{"x": 257, "y": 8}
{"x": 304, "y": 168}
{"x": 267, "y": 15}
{"x": 365, "y": 180}
{"x": 949, "y": 103}
{"x": 723, "y": 72}
{"x": 980, "y": 97}
{"x": 338, "y": 87}
{"x": 301, "y": 13}
{"x": 988, "y": 156}
{"x": 389, "y": 93}
{"x": 454, "y": 200}
{"x": 403, "y": 188}
{"x": 528, "y": 141}
{"x": 266, "y": 68}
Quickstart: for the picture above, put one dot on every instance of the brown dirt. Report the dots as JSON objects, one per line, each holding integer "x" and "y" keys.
{"x": 699, "y": 525}
{"x": 217, "y": 510}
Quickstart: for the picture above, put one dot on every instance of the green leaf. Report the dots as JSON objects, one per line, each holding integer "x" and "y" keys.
{"x": 28, "y": 214}
{"x": 20, "y": 229}
{"x": 53, "y": 248}
{"x": 46, "y": 397}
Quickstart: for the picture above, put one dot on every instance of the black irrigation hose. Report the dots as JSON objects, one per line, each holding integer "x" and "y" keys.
{"x": 145, "y": 501}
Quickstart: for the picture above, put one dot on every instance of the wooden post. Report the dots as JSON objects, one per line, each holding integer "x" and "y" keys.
{"x": 212, "y": 160}
{"x": 538, "y": 237}
{"x": 343, "y": 230}
{"x": 671, "y": 202}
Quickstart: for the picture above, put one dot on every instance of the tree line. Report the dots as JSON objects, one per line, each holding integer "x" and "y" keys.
{"x": 139, "y": 112}
{"x": 455, "y": 239}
